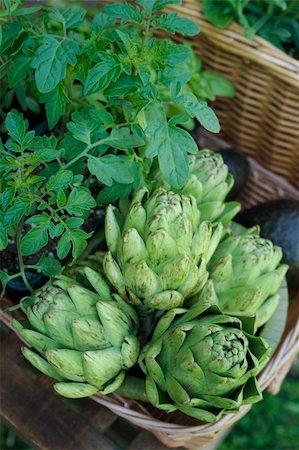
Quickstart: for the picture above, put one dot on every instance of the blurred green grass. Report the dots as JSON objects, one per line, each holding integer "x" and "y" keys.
{"x": 272, "y": 424}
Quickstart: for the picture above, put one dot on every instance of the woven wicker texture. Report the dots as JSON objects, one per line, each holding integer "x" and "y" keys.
{"x": 263, "y": 118}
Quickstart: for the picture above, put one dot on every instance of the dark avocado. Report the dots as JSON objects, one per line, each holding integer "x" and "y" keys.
{"x": 238, "y": 166}
{"x": 279, "y": 222}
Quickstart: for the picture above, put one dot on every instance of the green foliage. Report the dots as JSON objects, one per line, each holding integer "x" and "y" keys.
{"x": 51, "y": 204}
{"x": 169, "y": 143}
{"x": 275, "y": 20}
{"x": 105, "y": 84}
{"x": 114, "y": 67}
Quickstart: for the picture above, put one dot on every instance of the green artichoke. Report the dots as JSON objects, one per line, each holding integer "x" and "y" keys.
{"x": 246, "y": 273}
{"x": 203, "y": 366}
{"x": 159, "y": 256}
{"x": 209, "y": 183}
{"x": 86, "y": 343}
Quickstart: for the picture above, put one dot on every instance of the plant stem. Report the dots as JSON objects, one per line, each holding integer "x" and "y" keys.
{"x": 81, "y": 155}
{"x": 84, "y": 153}
{"x": 146, "y": 33}
{"x": 20, "y": 256}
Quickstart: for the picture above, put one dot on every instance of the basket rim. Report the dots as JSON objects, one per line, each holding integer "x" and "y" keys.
{"x": 232, "y": 39}
{"x": 124, "y": 407}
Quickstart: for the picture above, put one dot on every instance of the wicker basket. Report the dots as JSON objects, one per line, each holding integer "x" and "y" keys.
{"x": 263, "y": 121}
{"x": 176, "y": 429}
{"x": 263, "y": 118}
{"x": 191, "y": 435}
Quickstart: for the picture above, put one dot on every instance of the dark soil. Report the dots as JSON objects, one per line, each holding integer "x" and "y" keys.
{"x": 96, "y": 218}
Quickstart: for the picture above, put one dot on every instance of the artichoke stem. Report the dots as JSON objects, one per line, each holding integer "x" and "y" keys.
{"x": 133, "y": 388}
{"x": 148, "y": 320}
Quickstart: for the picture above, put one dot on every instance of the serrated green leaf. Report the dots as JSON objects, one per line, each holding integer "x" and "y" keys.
{"x": 74, "y": 16}
{"x": 173, "y": 23}
{"x": 79, "y": 201}
{"x": 46, "y": 154}
{"x": 15, "y": 213}
{"x": 18, "y": 70}
{"x": 34, "y": 240}
{"x": 74, "y": 222}
{"x": 55, "y": 105}
{"x": 16, "y": 126}
{"x": 7, "y": 197}
{"x": 78, "y": 178}
{"x": 38, "y": 219}
{"x": 102, "y": 117}
{"x": 101, "y": 22}
{"x": 203, "y": 113}
{"x": 69, "y": 17}
{"x": 78, "y": 238}
{"x": 57, "y": 230}
{"x": 176, "y": 54}
{"x": 51, "y": 60}
{"x": 112, "y": 168}
{"x": 176, "y": 78}
{"x": 102, "y": 74}
{"x": 122, "y": 139}
{"x": 170, "y": 143}
{"x": 10, "y": 33}
{"x": 70, "y": 146}
{"x": 124, "y": 11}
{"x": 112, "y": 193}
{"x": 218, "y": 13}
{"x": 44, "y": 148}
{"x": 12, "y": 146}
{"x": 27, "y": 11}
{"x": 28, "y": 138}
{"x": 49, "y": 266}
{"x": 86, "y": 129}
{"x": 61, "y": 198}
{"x": 220, "y": 85}
{"x": 64, "y": 245}
{"x": 124, "y": 85}
{"x": 60, "y": 180}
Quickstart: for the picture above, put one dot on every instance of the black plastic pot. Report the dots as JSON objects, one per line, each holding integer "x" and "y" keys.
{"x": 16, "y": 288}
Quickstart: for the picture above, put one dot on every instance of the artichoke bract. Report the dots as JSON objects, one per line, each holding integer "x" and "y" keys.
{"x": 158, "y": 257}
{"x": 209, "y": 183}
{"x": 84, "y": 343}
{"x": 246, "y": 274}
{"x": 203, "y": 366}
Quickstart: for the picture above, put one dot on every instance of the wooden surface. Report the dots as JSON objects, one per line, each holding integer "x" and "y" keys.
{"x": 48, "y": 422}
